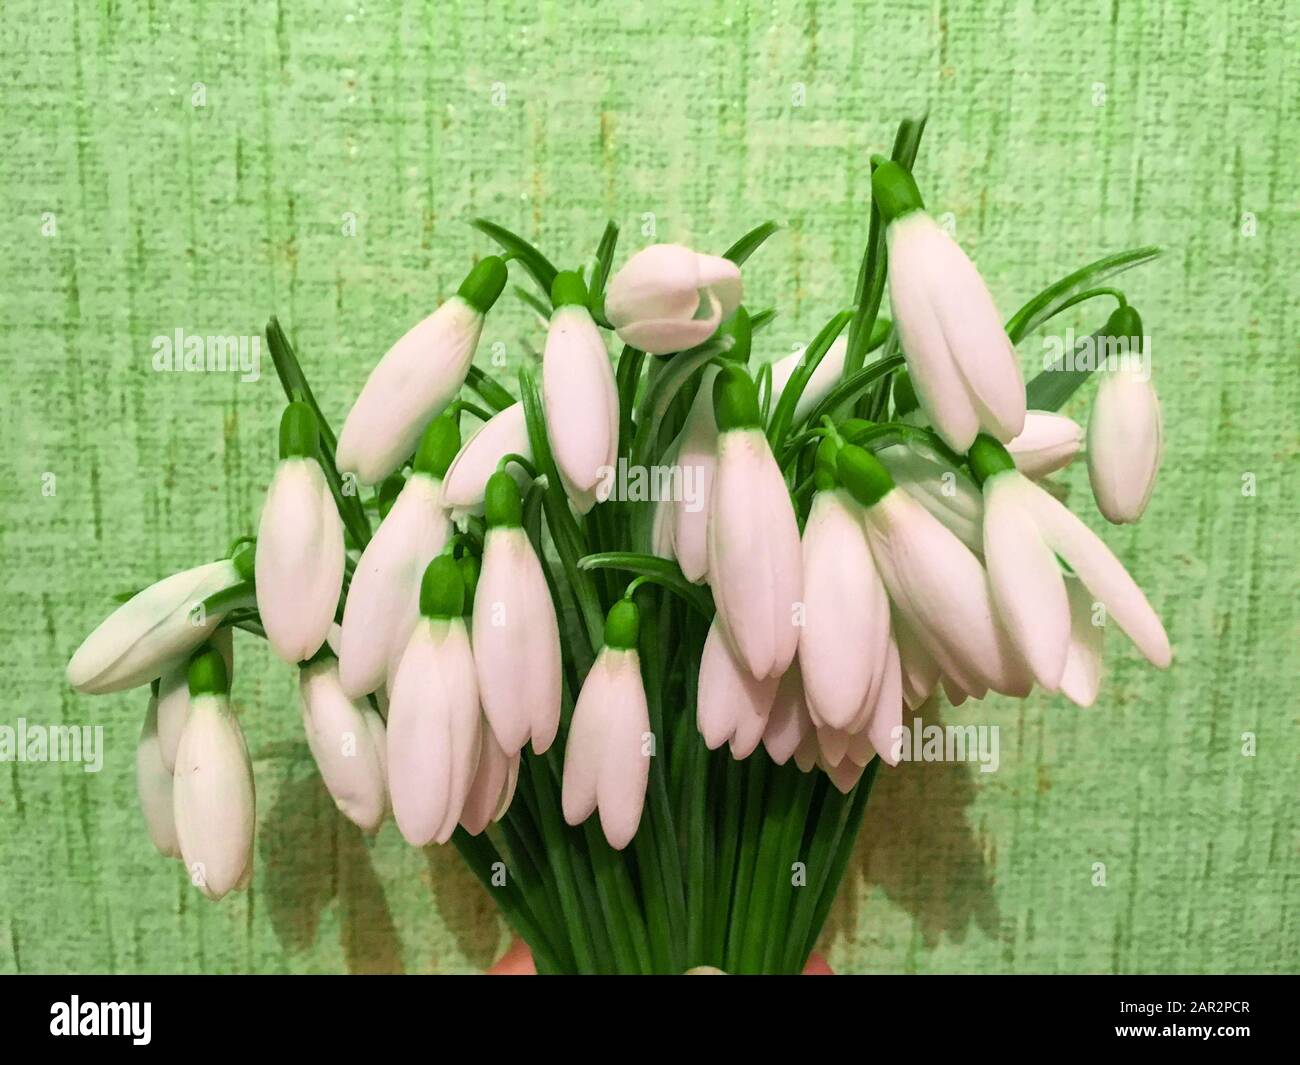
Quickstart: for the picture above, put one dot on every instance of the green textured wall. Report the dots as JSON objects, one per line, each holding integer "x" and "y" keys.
{"x": 1060, "y": 130}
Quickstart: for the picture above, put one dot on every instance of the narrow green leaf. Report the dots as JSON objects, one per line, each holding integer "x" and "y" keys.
{"x": 783, "y": 416}
{"x": 537, "y": 265}
{"x": 739, "y": 252}
{"x": 659, "y": 570}
{"x": 1059, "y": 295}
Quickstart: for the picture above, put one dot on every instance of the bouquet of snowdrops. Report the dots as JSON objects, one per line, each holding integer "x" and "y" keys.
{"x": 638, "y": 642}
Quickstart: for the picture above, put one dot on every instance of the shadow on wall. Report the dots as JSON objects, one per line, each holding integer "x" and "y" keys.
{"x": 301, "y": 881}
{"x": 918, "y": 845}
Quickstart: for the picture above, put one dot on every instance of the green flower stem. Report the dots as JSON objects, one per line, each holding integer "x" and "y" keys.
{"x": 534, "y": 777}
{"x": 732, "y": 774}
{"x": 488, "y": 390}
{"x": 696, "y": 757}
{"x": 627, "y": 377}
{"x": 295, "y": 385}
{"x": 842, "y": 852}
{"x": 789, "y": 851}
{"x": 602, "y": 264}
{"x": 756, "y": 767}
{"x": 663, "y": 830}
{"x": 783, "y": 416}
{"x": 538, "y": 305}
{"x": 1067, "y": 291}
{"x": 481, "y": 856}
{"x": 871, "y": 275}
{"x": 617, "y": 903}
{"x": 527, "y": 863}
{"x": 657, "y": 570}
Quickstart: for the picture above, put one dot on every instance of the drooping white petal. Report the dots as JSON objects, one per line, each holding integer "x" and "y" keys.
{"x": 505, "y": 433}
{"x": 1124, "y": 444}
{"x": 153, "y": 782}
{"x": 819, "y": 385}
{"x": 844, "y": 776}
{"x": 949, "y": 494}
{"x": 1083, "y": 662}
{"x": 1048, "y": 443}
{"x": 788, "y": 725}
{"x": 941, "y": 592}
{"x": 212, "y": 797}
{"x": 346, "y": 738}
{"x": 625, "y": 761}
{"x": 833, "y": 744}
{"x": 433, "y": 731}
{"x": 383, "y": 598}
{"x": 409, "y": 387}
{"x": 150, "y": 631}
{"x": 697, "y": 459}
{"x": 755, "y": 559}
{"x": 299, "y": 568}
{"x": 580, "y": 398}
{"x": 962, "y": 364}
{"x": 884, "y": 730}
{"x": 920, "y": 672}
{"x": 1025, "y": 579}
{"x": 729, "y": 694}
{"x": 845, "y": 633}
{"x": 491, "y": 779}
{"x": 1101, "y": 572}
{"x": 516, "y": 643}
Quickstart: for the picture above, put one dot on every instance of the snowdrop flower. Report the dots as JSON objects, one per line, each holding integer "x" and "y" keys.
{"x": 420, "y": 375}
{"x": 844, "y": 641}
{"x": 732, "y": 705}
{"x": 347, "y": 739}
{"x": 1048, "y": 443}
{"x": 434, "y": 718}
{"x": 755, "y": 560}
{"x": 947, "y": 493}
{"x": 155, "y": 628}
{"x": 961, "y": 362}
{"x": 668, "y": 298}
{"x": 578, "y": 392}
{"x": 823, "y": 379}
{"x": 153, "y": 783}
{"x": 697, "y": 457}
{"x": 1124, "y": 444}
{"x": 506, "y": 433}
{"x": 936, "y": 584}
{"x": 790, "y": 731}
{"x": 494, "y": 785}
{"x": 213, "y": 800}
{"x": 1031, "y": 528}
{"x": 299, "y": 545}
{"x": 607, "y": 756}
{"x": 174, "y": 696}
{"x": 516, "y": 634}
{"x": 384, "y": 598}
{"x": 919, "y": 672}
{"x": 1082, "y": 677}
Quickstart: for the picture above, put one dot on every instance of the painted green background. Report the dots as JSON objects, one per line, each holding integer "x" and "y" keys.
{"x": 1060, "y": 131}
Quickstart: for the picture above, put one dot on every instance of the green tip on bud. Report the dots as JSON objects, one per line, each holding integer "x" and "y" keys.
{"x": 735, "y": 400}
{"x": 442, "y": 590}
{"x": 623, "y": 626}
{"x": 245, "y": 559}
{"x": 469, "y": 571}
{"x": 484, "y": 283}
{"x": 438, "y": 447}
{"x": 824, "y": 476}
{"x": 567, "y": 290}
{"x": 388, "y": 493}
{"x": 905, "y": 400}
{"x": 987, "y": 457}
{"x": 502, "y": 506}
{"x": 1125, "y": 322}
{"x": 299, "y": 434}
{"x": 208, "y": 673}
{"x": 894, "y": 192}
{"x": 741, "y": 330}
{"x": 863, "y": 475}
